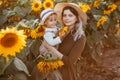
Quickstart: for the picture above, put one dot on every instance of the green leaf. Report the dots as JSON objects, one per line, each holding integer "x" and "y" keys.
{"x": 32, "y": 22}
{"x": 3, "y": 19}
{"x": 116, "y": 15}
{"x": 2, "y": 64}
{"x": 119, "y": 8}
{"x": 90, "y": 41}
{"x": 8, "y": 13}
{"x": 21, "y": 66}
{"x": 94, "y": 55}
{"x": 22, "y": 1}
{"x": 26, "y": 10}
{"x": 29, "y": 17}
{"x": 57, "y": 75}
{"x": 5, "y": 12}
{"x": 19, "y": 11}
{"x": 95, "y": 11}
{"x": 96, "y": 17}
{"x": 93, "y": 25}
{"x": 20, "y": 76}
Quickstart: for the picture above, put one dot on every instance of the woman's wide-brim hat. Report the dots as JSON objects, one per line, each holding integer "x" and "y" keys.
{"x": 59, "y": 8}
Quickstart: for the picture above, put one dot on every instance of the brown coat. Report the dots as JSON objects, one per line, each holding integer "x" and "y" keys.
{"x": 72, "y": 51}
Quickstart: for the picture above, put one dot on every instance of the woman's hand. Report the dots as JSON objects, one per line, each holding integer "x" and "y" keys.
{"x": 53, "y": 50}
{"x": 62, "y": 36}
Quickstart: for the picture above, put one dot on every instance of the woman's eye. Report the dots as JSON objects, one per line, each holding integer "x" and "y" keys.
{"x": 70, "y": 15}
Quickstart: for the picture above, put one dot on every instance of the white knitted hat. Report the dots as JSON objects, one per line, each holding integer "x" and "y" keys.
{"x": 45, "y": 13}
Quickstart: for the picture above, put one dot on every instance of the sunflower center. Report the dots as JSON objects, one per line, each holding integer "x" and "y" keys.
{"x": 48, "y": 4}
{"x": 40, "y": 29}
{"x": 36, "y": 5}
{"x": 9, "y": 40}
{"x": 109, "y": 8}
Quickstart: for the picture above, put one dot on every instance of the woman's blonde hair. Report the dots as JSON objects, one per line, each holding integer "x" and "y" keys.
{"x": 79, "y": 30}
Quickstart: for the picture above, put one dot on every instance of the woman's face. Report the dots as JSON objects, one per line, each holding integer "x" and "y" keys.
{"x": 69, "y": 19}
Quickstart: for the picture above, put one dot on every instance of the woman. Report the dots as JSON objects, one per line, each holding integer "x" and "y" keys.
{"x": 69, "y": 14}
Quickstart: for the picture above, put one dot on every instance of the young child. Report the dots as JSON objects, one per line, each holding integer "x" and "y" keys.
{"x": 49, "y": 20}
{"x": 50, "y": 37}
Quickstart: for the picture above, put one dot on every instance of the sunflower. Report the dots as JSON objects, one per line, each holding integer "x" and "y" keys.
{"x": 48, "y": 4}
{"x": 1, "y": 2}
{"x": 63, "y": 30}
{"x": 84, "y": 7}
{"x": 101, "y": 21}
{"x": 96, "y": 3}
{"x": 37, "y": 32}
{"x": 14, "y": 18}
{"x": 36, "y": 6}
{"x": 110, "y": 8}
{"x": 11, "y": 41}
{"x": 44, "y": 66}
{"x": 27, "y": 31}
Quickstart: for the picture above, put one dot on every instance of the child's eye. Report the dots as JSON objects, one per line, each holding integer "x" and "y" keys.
{"x": 51, "y": 20}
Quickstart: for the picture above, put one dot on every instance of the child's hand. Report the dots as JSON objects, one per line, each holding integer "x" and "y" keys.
{"x": 62, "y": 36}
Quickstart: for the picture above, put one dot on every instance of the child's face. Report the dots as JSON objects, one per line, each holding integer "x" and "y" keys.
{"x": 51, "y": 21}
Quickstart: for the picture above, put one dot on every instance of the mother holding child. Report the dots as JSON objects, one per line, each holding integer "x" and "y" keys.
{"x": 73, "y": 42}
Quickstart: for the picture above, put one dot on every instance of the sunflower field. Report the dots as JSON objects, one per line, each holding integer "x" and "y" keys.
{"x": 21, "y": 34}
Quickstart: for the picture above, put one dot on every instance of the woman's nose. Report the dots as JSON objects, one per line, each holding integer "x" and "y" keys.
{"x": 66, "y": 17}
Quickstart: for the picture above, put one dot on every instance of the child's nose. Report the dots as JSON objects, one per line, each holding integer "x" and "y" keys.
{"x": 55, "y": 22}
